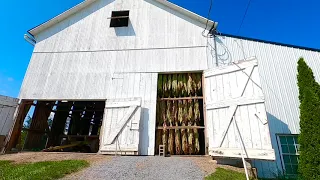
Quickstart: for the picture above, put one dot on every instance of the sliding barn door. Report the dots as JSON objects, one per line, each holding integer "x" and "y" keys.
{"x": 120, "y": 127}
{"x": 236, "y": 117}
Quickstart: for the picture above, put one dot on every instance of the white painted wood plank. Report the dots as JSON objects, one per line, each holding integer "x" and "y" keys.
{"x": 120, "y": 124}
{"x": 136, "y": 102}
{"x": 231, "y": 68}
{"x": 265, "y": 154}
{"x": 237, "y": 101}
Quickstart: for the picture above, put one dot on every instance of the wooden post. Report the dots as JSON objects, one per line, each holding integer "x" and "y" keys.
{"x": 206, "y": 140}
{"x": 86, "y": 120}
{"x": 13, "y": 137}
{"x": 75, "y": 124}
{"x": 98, "y": 115}
{"x": 39, "y": 124}
{"x": 59, "y": 123}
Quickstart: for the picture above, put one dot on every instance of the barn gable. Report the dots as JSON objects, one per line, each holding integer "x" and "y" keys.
{"x": 152, "y": 25}
{"x": 158, "y": 39}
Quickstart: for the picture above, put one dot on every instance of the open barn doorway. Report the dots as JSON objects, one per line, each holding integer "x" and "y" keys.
{"x": 67, "y": 126}
{"x": 180, "y": 118}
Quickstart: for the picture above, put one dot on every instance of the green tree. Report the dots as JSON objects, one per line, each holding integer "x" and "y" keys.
{"x": 306, "y": 79}
{"x": 309, "y": 138}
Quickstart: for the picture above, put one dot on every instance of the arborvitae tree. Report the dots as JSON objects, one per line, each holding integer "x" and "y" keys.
{"x": 306, "y": 79}
{"x": 309, "y": 138}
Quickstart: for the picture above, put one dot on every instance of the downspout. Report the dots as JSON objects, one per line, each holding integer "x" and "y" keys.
{"x": 215, "y": 49}
{"x": 30, "y": 38}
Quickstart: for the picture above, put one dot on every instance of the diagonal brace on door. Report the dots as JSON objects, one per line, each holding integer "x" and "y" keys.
{"x": 232, "y": 109}
{"x": 117, "y": 130}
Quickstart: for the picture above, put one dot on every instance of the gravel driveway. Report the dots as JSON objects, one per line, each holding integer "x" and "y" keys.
{"x": 140, "y": 167}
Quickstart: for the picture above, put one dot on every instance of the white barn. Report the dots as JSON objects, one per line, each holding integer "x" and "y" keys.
{"x": 250, "y": 97}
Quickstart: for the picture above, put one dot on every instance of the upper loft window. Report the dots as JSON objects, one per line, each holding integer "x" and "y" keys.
{"x": 119, "y": 19}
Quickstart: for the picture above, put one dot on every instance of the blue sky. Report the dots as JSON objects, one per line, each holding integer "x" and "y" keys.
{"x": 294, "y": 22}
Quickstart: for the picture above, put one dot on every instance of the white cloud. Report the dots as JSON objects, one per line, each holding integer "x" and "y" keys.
{"x": 10, "y": 79}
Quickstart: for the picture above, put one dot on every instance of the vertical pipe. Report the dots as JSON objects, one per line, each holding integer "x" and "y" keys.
{"x": 215, "y": 50}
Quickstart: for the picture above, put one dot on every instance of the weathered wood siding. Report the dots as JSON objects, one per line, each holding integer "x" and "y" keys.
{"x": 7, "y": 109}
{"x": 83, "y": 58}
{"x": 76, "y": 58}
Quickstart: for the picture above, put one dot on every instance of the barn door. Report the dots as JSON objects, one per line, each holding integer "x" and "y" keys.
{"x": 236, "y": 116}
{"x": 120, "y": 127}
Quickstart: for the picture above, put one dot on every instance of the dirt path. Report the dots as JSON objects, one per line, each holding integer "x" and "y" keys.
{"x": 53, "y": 156}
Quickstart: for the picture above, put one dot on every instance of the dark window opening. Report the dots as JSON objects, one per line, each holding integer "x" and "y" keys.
{"x": 119, "y": 19}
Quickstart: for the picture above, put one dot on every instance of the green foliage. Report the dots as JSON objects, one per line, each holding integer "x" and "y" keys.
{"x": 224, "y": 174}
{"x": 40, "y": 170}
{"x": 309, "y": 138}
{"x": 306, "y": 79}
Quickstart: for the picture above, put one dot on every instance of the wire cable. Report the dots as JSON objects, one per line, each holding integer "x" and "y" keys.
{"x": 208, "y": 17}
{"x": 244, "y": 16}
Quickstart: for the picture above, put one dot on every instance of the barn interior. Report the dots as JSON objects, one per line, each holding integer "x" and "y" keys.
{"x": 69, "y": 126}
{"x": 179, "y": 118}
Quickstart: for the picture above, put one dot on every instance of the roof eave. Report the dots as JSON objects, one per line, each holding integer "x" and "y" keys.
{"x": 188, "y": 13}
{"x": 60, "y": 17}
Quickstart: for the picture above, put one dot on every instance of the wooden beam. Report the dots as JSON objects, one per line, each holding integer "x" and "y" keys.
{"x": 231, "y": 68}
{"x": 118, "y": 17}
{"x": 179, "y": 98}
{"x": 181, "y": 127}
{"x": 13, "y": 137}
{"x": 79, "y": 136}
{"x": 39, "y": 122}
{"x": 236, "y": 102}
{"x": 59, "y": 123}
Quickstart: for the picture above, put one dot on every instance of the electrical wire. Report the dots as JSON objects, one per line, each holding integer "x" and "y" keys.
{"x": 244, "y": 16}
{"x": 208, "y": 17}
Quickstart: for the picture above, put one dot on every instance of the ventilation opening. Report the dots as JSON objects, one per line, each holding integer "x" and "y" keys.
{"x": 119, "y": 19}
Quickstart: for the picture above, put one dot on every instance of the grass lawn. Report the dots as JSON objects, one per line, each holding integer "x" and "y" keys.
{"x": 40, "y": 170}
{"x": 224, "y": 174}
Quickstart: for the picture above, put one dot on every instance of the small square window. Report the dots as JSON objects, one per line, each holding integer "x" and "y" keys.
{"x": 119, "y": 19}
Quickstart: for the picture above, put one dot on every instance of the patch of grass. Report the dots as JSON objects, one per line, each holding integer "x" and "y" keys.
{"x": 40, "y": 170}
{"x": 224, "y": 174}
